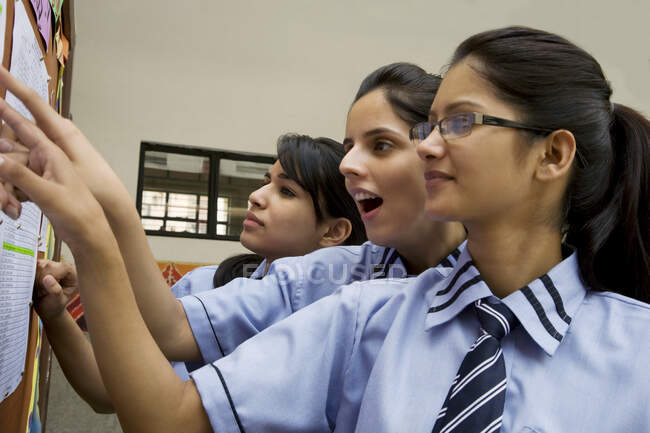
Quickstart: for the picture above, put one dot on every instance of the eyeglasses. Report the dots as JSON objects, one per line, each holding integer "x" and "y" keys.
{"x": 460, "y": 125}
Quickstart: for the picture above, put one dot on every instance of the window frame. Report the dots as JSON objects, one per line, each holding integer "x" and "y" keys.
{"x": 214, "y": 156}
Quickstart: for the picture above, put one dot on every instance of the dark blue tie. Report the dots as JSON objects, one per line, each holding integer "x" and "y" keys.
{"x": 475, "y": 400}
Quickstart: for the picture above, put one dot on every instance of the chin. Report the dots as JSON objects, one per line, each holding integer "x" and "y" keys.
{"x": 378, "y": 237}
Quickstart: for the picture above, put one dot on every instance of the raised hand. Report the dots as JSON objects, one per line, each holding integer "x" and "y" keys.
{"x": 10, "y": 197}
{"x": 50, "y": 180}
{"x": 55, "y": 285}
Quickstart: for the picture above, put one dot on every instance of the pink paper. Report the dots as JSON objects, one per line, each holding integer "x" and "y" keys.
{"x": 43, "y": 12}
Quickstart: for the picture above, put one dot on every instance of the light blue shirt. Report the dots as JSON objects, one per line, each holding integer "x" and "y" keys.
{"x": 196, "y": 281}
{"x": 380, "y": 356}
{"x": 222, "y": 319}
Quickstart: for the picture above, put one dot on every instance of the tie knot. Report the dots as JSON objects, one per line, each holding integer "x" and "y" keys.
{"x": 496, "y": 319}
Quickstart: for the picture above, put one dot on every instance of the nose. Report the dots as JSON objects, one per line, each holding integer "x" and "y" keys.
{"x": 433, "y": 146}
{"x": 257, "y": 198}
{"x": 352, "y": 164}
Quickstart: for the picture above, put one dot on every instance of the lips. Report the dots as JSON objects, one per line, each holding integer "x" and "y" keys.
{"x": 368, "y": 202}
{"x": 435, "y": 177}
{"x": 252, "y": 220}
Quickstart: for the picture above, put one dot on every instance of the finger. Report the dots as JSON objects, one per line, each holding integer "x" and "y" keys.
{"x": 12, "y": 146}
{"x": 57, "y": 269}
{"x": 51, "y": 285}
{"x": 46, "y": 118}
{"x": 27, "y": 132}
{"x": 11, "y": 206}
{"x": 7, "y": 132}
{"x": 37, "y": 189}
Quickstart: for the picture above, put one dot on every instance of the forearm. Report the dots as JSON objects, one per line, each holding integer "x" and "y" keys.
{"x": 147, "y": 394}
{"x": 77, "y": 360}
{"x": 160, "y": 310}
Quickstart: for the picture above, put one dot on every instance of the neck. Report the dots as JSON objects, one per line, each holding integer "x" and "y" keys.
{"x": 509, "y": 258}
{"x": 430, "y": 249}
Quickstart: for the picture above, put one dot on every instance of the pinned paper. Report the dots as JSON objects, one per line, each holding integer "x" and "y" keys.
{"x": 26, "y": 60}
{"x": 58, "y": 44}
{"x": 56, "y": 8}
{"x": 18, "y": 243}
{"x": 43, "y": 12}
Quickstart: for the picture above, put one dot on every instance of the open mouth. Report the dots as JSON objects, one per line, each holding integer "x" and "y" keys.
{"x": 368, "y": 202}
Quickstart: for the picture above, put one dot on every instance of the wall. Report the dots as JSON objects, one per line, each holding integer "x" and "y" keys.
{"x": 235, "y": 75}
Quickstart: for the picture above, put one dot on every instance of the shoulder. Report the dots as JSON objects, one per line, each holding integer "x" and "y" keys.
{"x": 325, "y": 258}
{"x": 614, "y": 320}
{"x": 195, "y": 281}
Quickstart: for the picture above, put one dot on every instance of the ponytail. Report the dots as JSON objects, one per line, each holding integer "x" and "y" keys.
{"x": 614, "y": 243}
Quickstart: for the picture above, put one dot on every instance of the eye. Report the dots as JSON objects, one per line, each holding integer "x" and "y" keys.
{"x": 287, "y": 192}
{"x": 265, "y": 182}
{"x": 347, "y": 147}
{"x": 382, "y": 145}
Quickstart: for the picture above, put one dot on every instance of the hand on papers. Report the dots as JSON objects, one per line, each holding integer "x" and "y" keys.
{"x": 50, "y": 179}
{"x": 11, "y": 197}
{"x": 90, "y": 166}
{"x": 55, "y": 285}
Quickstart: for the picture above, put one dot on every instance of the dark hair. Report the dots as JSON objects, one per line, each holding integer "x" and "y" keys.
{"x": 554, "y": 84}
{"x": 409, "y": 89}
{"x": 313, "y": 163}
{"x": 241, "y": 265}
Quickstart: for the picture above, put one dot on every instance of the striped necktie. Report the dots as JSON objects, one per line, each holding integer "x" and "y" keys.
{"x": 475, "y": 401}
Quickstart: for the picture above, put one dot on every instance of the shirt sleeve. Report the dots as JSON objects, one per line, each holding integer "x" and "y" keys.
{"x": 290, "y": 377}
{"x": 223, "y": 318}
{"x": 196, "y": 281}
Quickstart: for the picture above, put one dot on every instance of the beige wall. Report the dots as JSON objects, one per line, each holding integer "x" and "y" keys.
{"x": 234, "y": 75}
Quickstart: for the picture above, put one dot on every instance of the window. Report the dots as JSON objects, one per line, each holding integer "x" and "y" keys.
{"x": 198, "y": 193}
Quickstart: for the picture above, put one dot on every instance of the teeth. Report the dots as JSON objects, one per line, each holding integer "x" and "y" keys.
{"x": 363, "y": 196}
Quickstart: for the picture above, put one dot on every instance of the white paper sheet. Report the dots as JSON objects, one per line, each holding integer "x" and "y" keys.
{"x": 18, "y": 244}
{"x": 26, "y": 60}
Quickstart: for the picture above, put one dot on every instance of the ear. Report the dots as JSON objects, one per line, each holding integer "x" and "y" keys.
{"x": 558, "y": 153}
{"x": 338, "y": 230}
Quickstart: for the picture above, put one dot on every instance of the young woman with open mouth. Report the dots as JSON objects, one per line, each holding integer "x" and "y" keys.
{"x": 389, "y": 102}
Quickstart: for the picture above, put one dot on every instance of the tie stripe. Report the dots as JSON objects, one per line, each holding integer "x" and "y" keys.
{"x": 476, "y": 397}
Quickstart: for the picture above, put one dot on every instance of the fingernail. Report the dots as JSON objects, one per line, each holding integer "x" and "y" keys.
{"x": 12, "y": 211}
{"x": 5, "y": 145}
{"x": 2, "y": 160}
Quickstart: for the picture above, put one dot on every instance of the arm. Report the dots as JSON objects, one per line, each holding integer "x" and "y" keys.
{"x": 55, "y": 285}
{"x": 162, "y": 312}
{"x": 147, "y": 394}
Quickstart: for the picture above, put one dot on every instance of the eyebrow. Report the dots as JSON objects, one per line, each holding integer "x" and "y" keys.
{"x": 375, "y": 131}
{"x": 455, "y": 105}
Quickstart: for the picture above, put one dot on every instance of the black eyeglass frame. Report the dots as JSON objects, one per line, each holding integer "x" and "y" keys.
{"x": 481, "y": 119}
{"x": 486, "y": 119}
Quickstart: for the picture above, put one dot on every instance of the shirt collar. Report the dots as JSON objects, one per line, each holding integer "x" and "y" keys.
{"x": 259, "y": 271}
{"x": 544, "y": 307}
{"x": 392, "y": 265}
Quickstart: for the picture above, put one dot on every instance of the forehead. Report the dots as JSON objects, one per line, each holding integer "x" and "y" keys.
{"x": 372, "y": 111}
{"x": 276, "y": 169}
{"x": 463, "y": 89}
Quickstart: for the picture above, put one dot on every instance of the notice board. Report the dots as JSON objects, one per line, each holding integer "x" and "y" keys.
{"x": 38, "y": 46}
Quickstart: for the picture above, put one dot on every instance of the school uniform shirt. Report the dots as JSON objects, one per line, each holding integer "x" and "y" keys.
{"x": 222, "y": 319}
{"x": 196, "y": 281}
{"x": 380, "y": 356}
